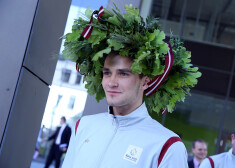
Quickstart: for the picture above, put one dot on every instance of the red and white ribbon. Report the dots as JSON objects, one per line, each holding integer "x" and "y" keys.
{"x": 101, "y": 12}
{"x": 88, "y": 29}
{"x": 155, "y": 83}
{"x": 77, "y": 68}
{"x": 164, "y": 110}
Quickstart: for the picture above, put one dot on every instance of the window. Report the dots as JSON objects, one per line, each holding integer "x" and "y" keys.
{"x": 78, "y": 79}
{"x": 65, "y": 75}
{"x": 58, "y": 100}
{"x": 71, "y": 102}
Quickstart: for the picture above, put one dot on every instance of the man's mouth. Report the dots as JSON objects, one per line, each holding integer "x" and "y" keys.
{"x": 113, "y": 92}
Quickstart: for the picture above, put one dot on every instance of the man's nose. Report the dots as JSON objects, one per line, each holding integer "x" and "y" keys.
{"x": 113, "y": 81}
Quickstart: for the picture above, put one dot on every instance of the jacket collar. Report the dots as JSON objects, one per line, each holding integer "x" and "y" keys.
{"x": 132, "y": 118}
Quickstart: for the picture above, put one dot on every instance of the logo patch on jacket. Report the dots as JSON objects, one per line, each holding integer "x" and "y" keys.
{"x": 133, "y": 154}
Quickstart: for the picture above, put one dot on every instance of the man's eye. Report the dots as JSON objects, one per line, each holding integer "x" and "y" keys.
{"x": 106, "y": 73}
{"x": 124, "y": 74}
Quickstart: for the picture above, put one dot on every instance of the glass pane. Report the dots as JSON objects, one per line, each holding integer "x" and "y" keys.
{"x": 65, "y": 75}
{"x": 199, "y": 20}
{"x": 78, "y": 79}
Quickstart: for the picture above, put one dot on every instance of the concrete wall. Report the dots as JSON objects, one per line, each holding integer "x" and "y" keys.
{"x": 29, "y": 35}
{"x": 16, "y": 20}
{"x": 93, "y": 107}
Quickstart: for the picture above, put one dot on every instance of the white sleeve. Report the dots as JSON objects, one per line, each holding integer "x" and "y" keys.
{"x": 175, "y": 157}
{"x": 205, "y": 164}
{"x": 69, "y": 157}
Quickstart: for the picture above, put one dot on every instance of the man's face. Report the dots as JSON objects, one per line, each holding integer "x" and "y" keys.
{"x": 200, "y": 150}
{"x": 233, "y": 142}
{"x": 121, "y": 86}
{"x": 62, "y": 121}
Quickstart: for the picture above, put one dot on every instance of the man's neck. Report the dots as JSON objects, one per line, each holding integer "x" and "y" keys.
{"x": 124, "y": 110}
{"x": 197, "y": 159}
{"x": 62, "y": 125}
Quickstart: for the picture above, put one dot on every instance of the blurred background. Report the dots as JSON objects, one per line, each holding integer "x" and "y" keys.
{"x": 208, "y": 30}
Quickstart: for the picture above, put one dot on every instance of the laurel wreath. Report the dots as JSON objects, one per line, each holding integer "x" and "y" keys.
{"x": 141, "y": 40}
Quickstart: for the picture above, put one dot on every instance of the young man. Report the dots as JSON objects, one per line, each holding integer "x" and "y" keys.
{"x": 126, "y": 136}
{"x": 60, "y": 143}
{"x": 223, "y": 160}
{"x": 199, "y": 149}
{"x": 126, "y": 60}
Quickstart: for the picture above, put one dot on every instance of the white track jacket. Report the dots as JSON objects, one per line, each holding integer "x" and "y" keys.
{"x": 223, "y": 160}
{"x": 132, "y": 141}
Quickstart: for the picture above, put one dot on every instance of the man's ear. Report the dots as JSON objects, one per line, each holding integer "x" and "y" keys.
{"x": 146, "y": 81}
{"x": 193, "y": 150}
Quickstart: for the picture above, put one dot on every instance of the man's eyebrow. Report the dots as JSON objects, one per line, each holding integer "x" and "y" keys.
{"x": 125, "y": 70}
{"x": 104, "y": 69}
{"x": 120, "y": 70}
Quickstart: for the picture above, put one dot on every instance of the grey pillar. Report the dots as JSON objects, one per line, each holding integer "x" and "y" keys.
{"x": 93, "y": 107}
{"x": 182, "y": 18}
{"x": 166, "y": 6}
{"x": 29, "y": 36}
{"x": 211, "y": 24}
{"x": 198, "y": 18}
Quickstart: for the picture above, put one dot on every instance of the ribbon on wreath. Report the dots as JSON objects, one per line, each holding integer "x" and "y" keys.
{"x": 77, "y": 68}
{"x": 88, "y": 29}
{"x": 163, "y": 111}
{"x": 156, "y": 82}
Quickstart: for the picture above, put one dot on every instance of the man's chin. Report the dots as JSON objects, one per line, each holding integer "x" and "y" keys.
{"x": 113, "y": 103}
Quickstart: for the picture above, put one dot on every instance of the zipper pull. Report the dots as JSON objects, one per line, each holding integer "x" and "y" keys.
{"x": 114, "y": 119}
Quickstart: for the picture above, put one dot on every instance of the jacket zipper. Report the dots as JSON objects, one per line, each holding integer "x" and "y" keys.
{"x": 111, "y": 139}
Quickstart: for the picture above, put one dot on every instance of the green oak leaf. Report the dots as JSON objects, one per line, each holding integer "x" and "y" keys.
{"x": 115, "y": 44}
{"x": 100, "y": 54}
